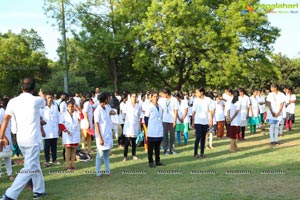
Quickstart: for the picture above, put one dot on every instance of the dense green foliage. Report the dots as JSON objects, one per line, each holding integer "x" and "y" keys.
{"x": 139, "y": 45}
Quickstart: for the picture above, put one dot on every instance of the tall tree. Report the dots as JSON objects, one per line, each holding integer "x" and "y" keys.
{"x": 19, "y": 58}
{"x": 187, "y": 40}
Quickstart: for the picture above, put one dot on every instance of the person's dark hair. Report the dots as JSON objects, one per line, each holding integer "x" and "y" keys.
{"x": 253, "y": 90}
{"x": 242, "y": 90}
{"x": 88, "y": 95}
{"x": 3, "y": 102}
{"x": 201, "y": 89}
{"x": 49, "y": 93}
{"x": 71, "y": 101}
{"x": 28, "y": 85}
{"x": 102, "y": 97}
{"x": 131, "y": 93}
{"x": 230, "y": 91}
{"x": 124, "y": 96}
{"x": 275, "y": 85}
{"x": 167, "y": 91}
{"x": 210, "y": 95}
{"x": 235, "y": 96}
{"x": 291, "y": 89}
{"x": 179, "y": 95}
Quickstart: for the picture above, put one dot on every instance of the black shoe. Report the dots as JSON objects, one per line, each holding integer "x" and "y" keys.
{"x": 160, "y": 164}
{"x": 39, "y": 195}
{"x": 4, "y": 197}
{"x": 151, "y": 165}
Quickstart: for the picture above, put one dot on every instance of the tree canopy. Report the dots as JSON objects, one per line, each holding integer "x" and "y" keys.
{"x": 151, "y": 44}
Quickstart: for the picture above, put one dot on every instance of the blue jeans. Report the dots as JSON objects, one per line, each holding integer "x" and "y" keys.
{"x": 102, "y": 154}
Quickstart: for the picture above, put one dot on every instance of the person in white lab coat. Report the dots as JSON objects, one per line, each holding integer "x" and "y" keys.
{"x": 131, "y": 128}
{"x": 69, "y": 125}
{"x": 50, "y": 115}
{"x": 103, "y": 133}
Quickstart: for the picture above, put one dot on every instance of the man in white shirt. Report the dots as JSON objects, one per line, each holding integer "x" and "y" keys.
{"x": 25, "y": 109}
{"x": 170, "y": 112}
{"x": 275, "y": 103}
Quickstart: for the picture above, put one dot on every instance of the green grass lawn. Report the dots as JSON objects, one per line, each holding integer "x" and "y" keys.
{"x": 257, "y": 171}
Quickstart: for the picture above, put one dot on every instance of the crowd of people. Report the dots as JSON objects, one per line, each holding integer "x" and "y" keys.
{"x": 38, "y": 122}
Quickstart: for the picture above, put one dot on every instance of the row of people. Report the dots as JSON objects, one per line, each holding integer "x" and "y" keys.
{"x": 160, "y": 115}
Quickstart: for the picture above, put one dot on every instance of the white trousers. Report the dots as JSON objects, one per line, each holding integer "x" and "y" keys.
{"x": 31, "y": 170}
{"x": 8, "y": 166}
{"x": 274, "y": 129}
{"x": 116, "y": 129}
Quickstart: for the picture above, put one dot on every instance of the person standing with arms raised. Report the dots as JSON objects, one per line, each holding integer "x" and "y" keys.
{"x": 25, "y": 109}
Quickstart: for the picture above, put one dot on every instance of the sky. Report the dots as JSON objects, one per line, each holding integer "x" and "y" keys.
{"x": 18, "y": 14}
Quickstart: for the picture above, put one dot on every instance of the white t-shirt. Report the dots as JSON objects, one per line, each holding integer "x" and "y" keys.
{"x": 63, "y": 107}
{"x": 202, "y": 108}
{"x": 145, "y": 108}
{"x": 7, "y": 131}
{"x": 183, "y": 106}
{"x": 102, "y": 117}
{"x": 25, "y": 108}
{"x": 254, "y": 109}
{"x": 290, "y": 106}
{"x": 262, "y": 107}
{"x": 121, "y": 115}
{"x": 213, "y": 107}
{"x": 275, "y": 100}
{"x": 77, "y": 101}
{"x": 72, "y": 124}
{"x": 87, "y": 108}
{"x": 169, "y": 107}
{"x": 219, "y": 113}
{"x": 132, "y": 118}
{"x": 226, "y": 97}
{"x": 234, "y": 107}
{"x": 51, "y": 117}
{"x": 245, "y": 104}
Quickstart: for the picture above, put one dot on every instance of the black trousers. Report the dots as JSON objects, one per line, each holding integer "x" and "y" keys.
{"x": 154, "y": 145}
{"x": 200, "y": 137}
{"x": 50, "y": 145}
{"x": 121, "y": 140}
{"x": 129, "y": 140}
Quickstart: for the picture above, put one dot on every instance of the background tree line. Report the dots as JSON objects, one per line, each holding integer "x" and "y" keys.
{"x": 151, "y": 44}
